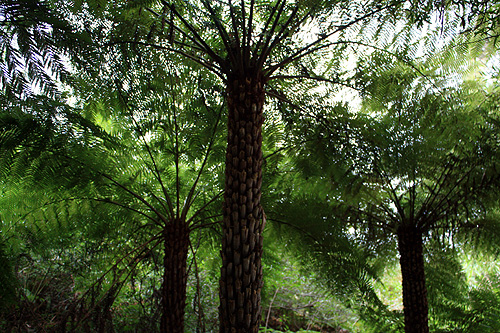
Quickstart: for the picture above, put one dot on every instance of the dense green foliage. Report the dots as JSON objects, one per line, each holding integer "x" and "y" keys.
{"x": 113, "y": 120}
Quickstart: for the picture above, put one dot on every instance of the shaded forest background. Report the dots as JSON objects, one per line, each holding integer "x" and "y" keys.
{"x": 271, "y": 166}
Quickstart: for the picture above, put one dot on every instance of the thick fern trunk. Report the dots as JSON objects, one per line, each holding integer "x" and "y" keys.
{"x": 241, "y": 272}
{"x": 413, "y": 274}
{"x": 173, "y": 300}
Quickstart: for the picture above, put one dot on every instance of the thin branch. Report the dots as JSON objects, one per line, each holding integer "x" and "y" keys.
{"x": 447, "y": 198}
{"x": 177, "y": 153}
{"x": 297, "y": 228}
{"x": 384, "y": 225}
{"x": 192, "y": 57}
{"x": 248, "y": 41}
{"x": 223, "y": 35}
{"x": 270, "y": 306}
{"x": 236, "y": 43}
{"x": 135, "y": 195}
{"x": 201, "y": 226}
{"x": 116, "y": 203}
{"x": 189, "y": 199}
{"x": 200, "y": 39}
{"x": 194, "y": 39}
{"x": 307, "y": 49}
{"x": 128, "y": 254}
{"x": 244, "y": 36}
{"x": 123, "y": 187}
{"x": 406, "y": 62}
{"x": 392, "y": 192}
{"x": 283, "y": 98}
{"x": 157, "y": 174}
{"x": 319, "y": 79}
{"x": 216, "y": 197}
{"x": 282, "y": 34}
{"x": 436, "y": 189}
{"x": 113, "y": 267}
{"x": 291, "y": 146}
{"x": 387, "y": 211}
{"x": 265, "y": 47}
{"x": 259, "y": 44}
{"x": 105, "y": 200}
{"x": 391, "y": 227}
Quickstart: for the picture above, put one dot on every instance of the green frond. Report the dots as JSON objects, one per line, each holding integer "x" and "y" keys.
{"x": 321, "y": 237}
{"x": 482, "y": 235}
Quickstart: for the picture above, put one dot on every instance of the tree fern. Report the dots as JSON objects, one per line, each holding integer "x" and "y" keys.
{"x": 140, "y": 178}
{"x": 388, "y": 180}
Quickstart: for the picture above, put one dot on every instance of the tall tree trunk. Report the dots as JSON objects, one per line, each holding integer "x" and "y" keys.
{"x": 241, "y": 272}
{"x": 173, "y": 300}
{"x": 416, "y": 309}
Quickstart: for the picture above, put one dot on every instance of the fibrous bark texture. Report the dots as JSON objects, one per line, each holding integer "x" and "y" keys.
{"x": 241, "y": 272}
{"x": 176, "y": 238}
{"x": 413, "y": 274}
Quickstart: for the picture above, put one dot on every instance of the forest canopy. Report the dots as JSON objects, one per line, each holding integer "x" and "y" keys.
{"x": 249, "y": 166}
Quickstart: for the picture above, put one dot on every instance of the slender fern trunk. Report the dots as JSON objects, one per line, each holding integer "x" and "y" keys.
{"x": 414, "y": 290}
{"x": 241, "y": 272}
{"x": 173, "y": 301}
